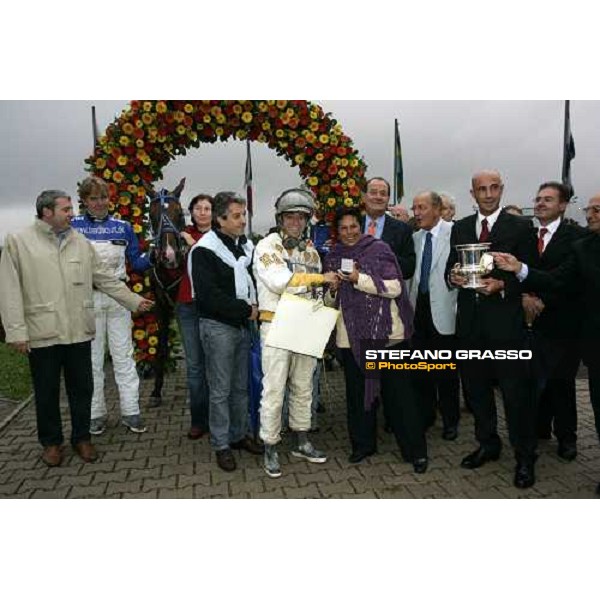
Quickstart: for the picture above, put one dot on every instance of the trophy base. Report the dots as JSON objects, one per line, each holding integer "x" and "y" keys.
{"x": 474, "y": 282}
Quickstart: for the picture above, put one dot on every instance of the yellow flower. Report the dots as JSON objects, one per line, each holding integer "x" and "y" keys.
{"x": 100, "y": 163}
{"x": 351, "y": 182}
{"x": 118, "y": 177}
{"x": 128, "y": 128}
{"x": 137, "y": 288}
{"x": 180, "y": 129}
{"x": 124, "y": 140}
{"x": 107, "y": 174}
{"x": 280, "y": 133}
{"x": 237, "y": 109}
{"x": 313, "y": 115}
{"x": 342, "y": 174}
{"x": 146, "y": 160}
{"x": 266, "y": 126}
{"x": 313, "y": 164}
{"x": 152, "y": 350}
{"x": 111, "y": 207}
{"x": 136, "y": 211}
{"x": 132, "y": 189}
{"x": 122, "y": 160}
{"x": 221, "y": 118}
{"x": 349, "y": 202}
{"x": 147, "y": 281}
{"x": 123, "y": 200}
{"x": 319, "y": 157}
{"x": 263, "y": 106}
{"x": 139, "y": 143}
{"x": 138, "y": 334}
{"x": 178, "y": 116}
{"x": 215, "y": 111}
{"x": 161, "y": 107}
{"x": 354, "y": 162}
{"x": 344, "y": 162}
{"x": 137, "y": 228}
{"x": 206, "y": 118}
{"x": 311, "y": 137}
{"x": 240, "y": 134}
{"x": 261, "y": 137}
{"x": 247, "y": 117}
{"x": 153, "y": 340}
{"x": 299, "y": 159}
{"x": 189, "y": 109}
{"x": 314, "y": 127}
{"x": 331, "y": 202}
{"x": 324, "y": 138}
{"x": 147, "y": 106}
{"x": 281, "y": 104}
{"x": 192, "y": 135}
{"x": 219, "y": 131}
{"x": 312, "y": 181}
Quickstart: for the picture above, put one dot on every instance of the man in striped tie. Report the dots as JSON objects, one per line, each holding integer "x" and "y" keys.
{"x": 492, "y": 317}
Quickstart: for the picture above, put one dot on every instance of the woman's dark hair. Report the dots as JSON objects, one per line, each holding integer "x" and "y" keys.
{"x": 345, "y": 211}
{"x": 195, "y": 201}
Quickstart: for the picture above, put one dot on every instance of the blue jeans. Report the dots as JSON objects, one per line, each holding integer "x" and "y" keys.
{"x": 226, "y": 349}
{"x": 195, "y": 363}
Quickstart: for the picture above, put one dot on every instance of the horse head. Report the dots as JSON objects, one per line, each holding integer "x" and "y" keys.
{"x": 167, "y": 220}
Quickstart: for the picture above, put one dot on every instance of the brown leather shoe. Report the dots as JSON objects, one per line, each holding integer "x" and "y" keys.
{"x": 195, "y": 433}
{"x": 52, "y": 456}
{"x": 249, "y": 445}
{"x": 86, "y": 451}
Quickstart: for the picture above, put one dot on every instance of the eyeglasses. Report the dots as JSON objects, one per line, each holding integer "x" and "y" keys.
{"x": 591, "y": 209}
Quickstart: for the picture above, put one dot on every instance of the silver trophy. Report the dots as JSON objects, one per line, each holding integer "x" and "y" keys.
{"x": 475, "y": 262}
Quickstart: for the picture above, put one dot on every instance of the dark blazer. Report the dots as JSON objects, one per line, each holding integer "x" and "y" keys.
{"x": 398, "y": 236}
{"x": 499, "y": 316}
{"x": 581, "y": 270}
{"x": 561, "y": 317}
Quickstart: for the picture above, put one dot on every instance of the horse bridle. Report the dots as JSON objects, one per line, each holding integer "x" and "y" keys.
{"x": 165, "y": 225}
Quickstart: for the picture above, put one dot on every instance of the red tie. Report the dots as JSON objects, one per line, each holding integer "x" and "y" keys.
{"x": 371, "y": 229}
{"x": 543, "y": 232}
{"x": 485, "y": 232}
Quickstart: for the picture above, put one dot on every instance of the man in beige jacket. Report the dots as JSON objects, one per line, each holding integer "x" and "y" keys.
{"x": 47, "y": 274}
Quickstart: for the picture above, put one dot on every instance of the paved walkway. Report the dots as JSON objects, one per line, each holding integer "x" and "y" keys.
{"x": 163, "y": 463}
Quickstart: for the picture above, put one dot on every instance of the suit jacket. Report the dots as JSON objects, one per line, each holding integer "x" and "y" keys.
{"x": 441, "y": 298}
{"x": 561, "y": 317}
{"x": 582, "y": 268}
{"x": 499, "y": 316}
{"x": 398, "y": 236}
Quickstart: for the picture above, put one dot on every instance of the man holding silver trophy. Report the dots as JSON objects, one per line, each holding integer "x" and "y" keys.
{"x": 489, "y": 315}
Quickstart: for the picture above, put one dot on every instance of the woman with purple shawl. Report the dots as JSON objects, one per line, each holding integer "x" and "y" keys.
{"x": 374, "y": 305}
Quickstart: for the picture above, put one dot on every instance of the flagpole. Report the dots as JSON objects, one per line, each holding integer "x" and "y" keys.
{"x": 94, "y": 128}
{"x": 568, "y": 149}
{"x": 248, "y": 184}
{"x": 395, "y": 194}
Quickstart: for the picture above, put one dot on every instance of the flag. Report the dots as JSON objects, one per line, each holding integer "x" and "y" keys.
{"x": 248, "y": 179}
{"x": 94, "y": 128}
{"x": 568, "y": 150}
{"x": 398, "y": 170}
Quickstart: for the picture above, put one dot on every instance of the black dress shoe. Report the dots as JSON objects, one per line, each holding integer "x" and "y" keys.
{"x": 450, "y": 433}
{"x": 479, "y": 458}
{"x": 226, "y": 460}
{"x": 420, "y": 465}
{"x": 524, "y": 475}
{"x": 359, "y": 455}
{"x": 567, "y": 451}
{"x": 248, "y": 444}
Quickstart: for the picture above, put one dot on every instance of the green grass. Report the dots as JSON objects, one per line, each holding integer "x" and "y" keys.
{"x": 15, "y": 379}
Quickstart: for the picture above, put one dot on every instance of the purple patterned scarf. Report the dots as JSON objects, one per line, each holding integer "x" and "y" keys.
{"x": 366, "y": 316}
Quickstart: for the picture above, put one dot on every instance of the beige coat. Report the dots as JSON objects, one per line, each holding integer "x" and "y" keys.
{"x": 46, "y": 292}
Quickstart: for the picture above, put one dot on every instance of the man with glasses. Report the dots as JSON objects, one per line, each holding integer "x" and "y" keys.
{"x": 115, "y": 244}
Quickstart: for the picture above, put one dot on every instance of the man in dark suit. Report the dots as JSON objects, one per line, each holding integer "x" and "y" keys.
{"x": 555, "y": 319}
{"x": 582, "y": 267}
{"x": 395, "y": 233}
{"x": 491, "y": 316}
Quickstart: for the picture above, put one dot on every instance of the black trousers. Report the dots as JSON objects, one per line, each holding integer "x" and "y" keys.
{"x": 520, "y": 406}
{"x": 594, "y": 383}
{"x": 557, "y": 405}
{"x": 46, "y": 365}
{"x": 400, "y": 405}
{"x": 435, "y": 390}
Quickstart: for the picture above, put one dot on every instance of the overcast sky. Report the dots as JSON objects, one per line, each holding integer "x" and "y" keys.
{"x": 43, "y": 145}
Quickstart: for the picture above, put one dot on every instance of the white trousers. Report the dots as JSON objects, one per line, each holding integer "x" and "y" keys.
{"x": 114, "y": 322}
{"x": 281, "y": 368}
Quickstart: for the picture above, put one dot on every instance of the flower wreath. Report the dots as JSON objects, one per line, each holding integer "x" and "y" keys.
{"x": 149, "y": 133}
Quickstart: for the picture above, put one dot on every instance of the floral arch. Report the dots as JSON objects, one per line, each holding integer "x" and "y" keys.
{"x": 137, "y": 146}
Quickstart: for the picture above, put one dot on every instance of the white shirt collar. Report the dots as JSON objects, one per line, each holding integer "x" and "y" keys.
{"x": 491, "y": 219}
{"x": 551, "y": 227}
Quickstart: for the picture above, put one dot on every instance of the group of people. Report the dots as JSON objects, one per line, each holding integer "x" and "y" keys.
{"x": 403, "y": 288}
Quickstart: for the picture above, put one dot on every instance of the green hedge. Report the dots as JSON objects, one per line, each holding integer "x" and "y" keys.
{"x": 15, "y": 379}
